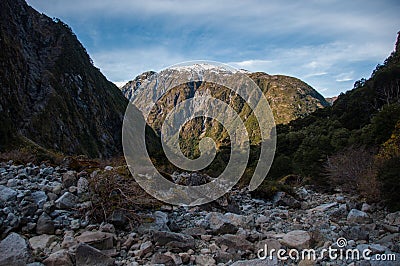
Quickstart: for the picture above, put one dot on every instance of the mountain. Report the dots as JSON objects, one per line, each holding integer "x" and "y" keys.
{"x": 331, "y": 100}
{"x": 51, "y": 94}
{"x": 289, "y": 98}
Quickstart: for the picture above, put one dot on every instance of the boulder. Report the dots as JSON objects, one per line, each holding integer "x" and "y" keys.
{"x": 284, "y": 199}
{"x": 83, "y": 185}
{"x": 323, "y": 207}
{"x": 66, "y": 201}
{"x": 41, "y": 241}
{"x": 45, "y": 225}
{"x": 97, "y": 239}
{"x": 158, "y": 223}
{"x": 268, "y": 244}
{"x": 355, "y": 233}
{"x": 162, "y": 259}
{"x": 7, "y": 194}
{"x": 14, "y": 250}
{"x": 393, "y": 218}
{"x": 118, "y": 218}
{"x": 90, "y": 256}
{"x": 69, "y": 241}
{"x": 174, "y": 240}
{"x": 225, "y": 223}
{"x": 357, "y": 216}
{"x": 258, "y": 262}
{"x": 39, "y": 197}
{"x": 69, "y": 179}
{"x": 145, "y": 248}
{"x": 234, "y": 242}
{"x": 60, "y": 257}
{"x": 205, "y": 260}
{"x": 297, "y": 239}
{"x": 195, "y": 231}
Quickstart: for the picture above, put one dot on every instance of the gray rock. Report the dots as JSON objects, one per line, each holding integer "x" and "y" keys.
{"x": 195, "y": 231}
{"x": 355, "y": 233}
{"x": 393, "y": 218}
{"x": 83, "y": 185}
{"x": 391, "y": 228}
{"x": 340, "y": 199}
{"x": 357, "y": 216}
{"x": 12, "y": 220}
{"x": 234, "y": 242}
{"x": 12, "y": 182}
{"x": 35, "y": 264}
{"x": 97, "y": 239}
{"x": 60, "y": 257}
{"x": 205, "y": 260}
{"x": 106, "y": 227}
{"x": 41, "y": 241}
{"x": 69, "y": 179}
{"x": 226, "y": 223}
{"x": 366, "y": 207}
{"x": 174, "y": 240}
{"x": 39, "y": 197}
{"x": 47, "y": 171}
{"x": 118, "y": 218}
{"x": 323, "y": 207}
{"x": 7, "y": 194}
{"x": 145, "y": 248}
{"x": 66, "y": 201}
{"x": 159, "y": 224}
{"x": 14, "y": 250}
{"x": 90, "y": 256}
{"x": 69, "y": 241}
{"x": 108, "y": 168}
{"x": 225, "y": 257}
{"x": 45, "y": 225}
{"x": 284, "y": 199}
{"x": 302, "y": 193}
{"x": 258, "y": 262}
{"x": 162, "y": 259}
{"x": 268, "y": 244}
{"x": 297, "y": 239}
{"x": 340, "y": 212}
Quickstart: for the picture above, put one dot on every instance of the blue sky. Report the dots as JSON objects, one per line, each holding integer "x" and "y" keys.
{"x": 329, "y": 44}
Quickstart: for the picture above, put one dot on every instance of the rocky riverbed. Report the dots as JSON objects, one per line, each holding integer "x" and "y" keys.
{"x": 44, "y": 220}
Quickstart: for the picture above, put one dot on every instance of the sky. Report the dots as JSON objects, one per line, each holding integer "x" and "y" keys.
{"x": 329, "y": 44}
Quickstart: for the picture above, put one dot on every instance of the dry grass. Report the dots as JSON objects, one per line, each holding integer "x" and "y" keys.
{"x": 116, "y": 190}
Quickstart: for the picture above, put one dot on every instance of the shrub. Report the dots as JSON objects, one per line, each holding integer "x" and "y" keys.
{"x": 353, "y": 170}
{"x": 389, "y": 176}
{"x": 116, "y": 190}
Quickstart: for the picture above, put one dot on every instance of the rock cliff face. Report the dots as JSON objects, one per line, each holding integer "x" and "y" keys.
{"x": 289, "y": 98}
{"x": 51, "y": 93}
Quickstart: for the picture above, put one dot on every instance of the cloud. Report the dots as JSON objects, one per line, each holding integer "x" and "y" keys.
{"x": 315, "y": 74}
{"x": 314, "y": 40}
{"x": 125, "y": 64}
{"x": 345, "y": 77}
{"x": 251, "y": 64}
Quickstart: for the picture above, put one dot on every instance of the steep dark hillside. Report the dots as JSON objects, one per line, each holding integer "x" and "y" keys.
{"x": 51, "y": 93}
